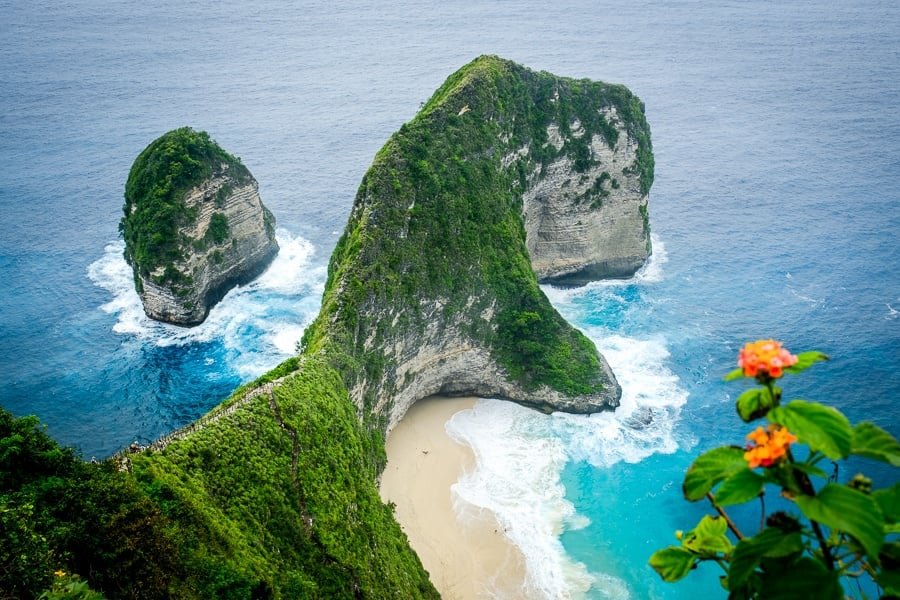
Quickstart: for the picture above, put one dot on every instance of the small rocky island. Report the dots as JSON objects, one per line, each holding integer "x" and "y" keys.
{"x": 194, "y": 226}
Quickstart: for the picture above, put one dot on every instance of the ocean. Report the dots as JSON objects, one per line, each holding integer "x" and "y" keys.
{"x": 776, "y": 130}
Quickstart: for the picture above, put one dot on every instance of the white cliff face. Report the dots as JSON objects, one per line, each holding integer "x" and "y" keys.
{"x": 583, "y": 226}
{"x": 231, "y": 241}
{"x": 445, "y": 360}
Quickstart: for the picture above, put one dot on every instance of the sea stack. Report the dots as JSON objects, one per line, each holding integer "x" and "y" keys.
{"x": 194, "y": 226}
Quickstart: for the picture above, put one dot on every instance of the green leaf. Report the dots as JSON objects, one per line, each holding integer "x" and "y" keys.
{"x": 890, "y": 581}
{"x": 805, "y": 360}
{"x": 673, "y": 563}
{"x": 801, "y": 580}
{"x": 810, "y": 470}
{"x": 755, "y": 403}
{"x": 770, "y": 543}
{"x": 736, "y": 374}
{"x": 710, "y": 468}
{"x": 888, "y": 500}
{"x": 889, "y": 576}
{"x": 872, "y": 441}
{"x": 821, "y": 427}
{"x": 740, "y": 487}
{"x": 708, "y": 537}
{"x": 850, "y": 511}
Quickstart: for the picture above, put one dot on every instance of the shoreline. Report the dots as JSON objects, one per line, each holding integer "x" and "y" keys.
{"x": 466, "y": 560}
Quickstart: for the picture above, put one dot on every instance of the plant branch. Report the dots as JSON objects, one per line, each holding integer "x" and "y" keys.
{"x": 728, "y": 520}
{"x": 722, "y": 564}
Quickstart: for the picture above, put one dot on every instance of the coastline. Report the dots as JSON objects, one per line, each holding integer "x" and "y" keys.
{"x": 466, "y": 560}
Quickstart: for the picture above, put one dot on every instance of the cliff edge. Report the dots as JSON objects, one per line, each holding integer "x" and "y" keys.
{"x": 194, "y": 226}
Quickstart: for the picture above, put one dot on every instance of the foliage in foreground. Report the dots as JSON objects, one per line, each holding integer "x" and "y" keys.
{"x": 835, "y": 536}
{"x": 276, "y": 500}
{"x": 59, "y": 514}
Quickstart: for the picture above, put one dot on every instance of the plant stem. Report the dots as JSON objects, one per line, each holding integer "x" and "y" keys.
{"x": 722, "y": 564}
{"x": 826, "y": 551}
{"x": 762, "y": 511}
{"x": 728, "y": 520}
{"x": 808, "y": 489}
{"x": 776, "y": 400}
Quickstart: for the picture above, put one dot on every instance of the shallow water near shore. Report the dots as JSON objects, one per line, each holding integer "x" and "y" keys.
{"x": 776, "y": 130}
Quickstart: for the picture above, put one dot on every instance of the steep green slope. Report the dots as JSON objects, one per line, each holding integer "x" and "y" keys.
{"x": 430, "y": 289}
{"x": 274, "y": 500}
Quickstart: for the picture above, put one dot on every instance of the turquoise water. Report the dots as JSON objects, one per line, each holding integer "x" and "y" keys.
{"x": 776, "y": 128}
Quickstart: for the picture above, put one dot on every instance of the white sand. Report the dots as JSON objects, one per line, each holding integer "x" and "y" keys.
{"x": 466, "y": 560}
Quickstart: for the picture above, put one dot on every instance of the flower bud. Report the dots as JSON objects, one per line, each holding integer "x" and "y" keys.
{"x": 862, "y": 483}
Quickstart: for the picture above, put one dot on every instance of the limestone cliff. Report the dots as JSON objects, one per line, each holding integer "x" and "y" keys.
{"x": 588, "y": 222}
{"x": 504, "y": 173}
{"x": 194, "y": 226}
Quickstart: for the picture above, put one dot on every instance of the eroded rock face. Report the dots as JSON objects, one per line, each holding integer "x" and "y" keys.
{"x": 589, "y": 225}
{"x": 194, "y": 226}
{"x": 214, "y": 264}
{"x": 452, "y": 363}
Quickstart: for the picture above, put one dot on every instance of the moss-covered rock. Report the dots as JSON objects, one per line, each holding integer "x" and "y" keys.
{"x": 431, "y": 287}
{"x": 194, "y": 226}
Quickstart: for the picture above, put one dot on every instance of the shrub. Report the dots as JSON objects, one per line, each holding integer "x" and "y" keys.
{"x": 833, "y": 535}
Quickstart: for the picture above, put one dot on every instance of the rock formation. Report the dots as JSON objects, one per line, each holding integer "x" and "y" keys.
{"x": 504, "y": 173}
{"x": 194, "y": 226}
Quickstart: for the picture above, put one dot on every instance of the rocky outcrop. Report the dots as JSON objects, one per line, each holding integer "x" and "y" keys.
{"x": 192, "y": 240}
{"x": 451, "y": 363}
{"x": 588, "y": 225}
{"x": 214, "y": 264}
{"x": 504, "y": 174}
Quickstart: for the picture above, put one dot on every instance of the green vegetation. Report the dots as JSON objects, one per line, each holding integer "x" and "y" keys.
{"x": 831, "y": 537}
{"x": 70, "y": 587}
{"x": 277, "y": 500}
{"x": 438, "y": 218}
{"x": 59, "y": 513}
{"x": 218, "y": 230}
{"x": 154, "y": 197}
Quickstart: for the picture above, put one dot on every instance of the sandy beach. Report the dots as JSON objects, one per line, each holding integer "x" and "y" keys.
{"x": 466, "y": 560}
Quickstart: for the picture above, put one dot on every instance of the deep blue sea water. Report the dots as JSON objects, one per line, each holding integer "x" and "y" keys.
{"x": 776, "y": 129}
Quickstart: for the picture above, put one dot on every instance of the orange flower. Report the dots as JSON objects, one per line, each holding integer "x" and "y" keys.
{"x": 765, "y": 358}
{"x": 768, "y": 446}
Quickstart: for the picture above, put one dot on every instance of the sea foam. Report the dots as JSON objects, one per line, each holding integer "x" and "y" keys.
{"x": 521, "y": 453}
{"x": 258, "y": 324}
